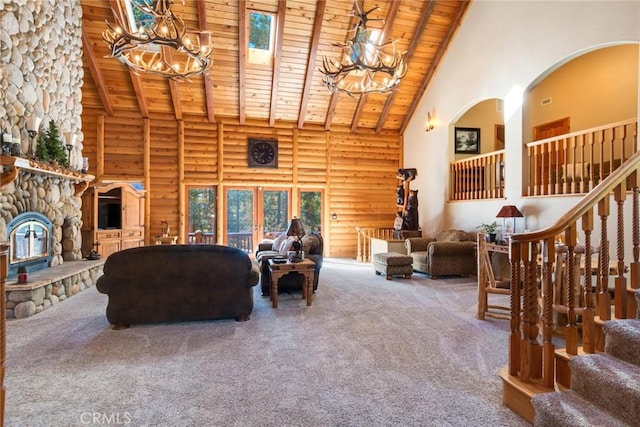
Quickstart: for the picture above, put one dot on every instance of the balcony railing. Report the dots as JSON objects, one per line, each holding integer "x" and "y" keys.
{"x": 478, "y": 177}
{"x": 575, "y": 163}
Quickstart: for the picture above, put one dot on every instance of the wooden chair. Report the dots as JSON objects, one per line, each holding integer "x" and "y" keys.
{"x": 488, "y": 285}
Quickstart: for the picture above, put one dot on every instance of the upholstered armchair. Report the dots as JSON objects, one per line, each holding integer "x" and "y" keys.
{"x": 312, "y": 245}
{"x": 450, "y": 253}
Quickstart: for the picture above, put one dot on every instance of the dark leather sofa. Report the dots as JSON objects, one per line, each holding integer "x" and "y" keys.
{"x": 312, "y": 245}
{"x": 169, "y": 283}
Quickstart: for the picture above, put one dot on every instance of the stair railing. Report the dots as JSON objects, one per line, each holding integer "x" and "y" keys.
{"x": 364, "y": 236}
{"x": 533, "y": 262}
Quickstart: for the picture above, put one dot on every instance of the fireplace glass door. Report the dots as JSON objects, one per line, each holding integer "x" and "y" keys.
{"x": 29, "y": 241}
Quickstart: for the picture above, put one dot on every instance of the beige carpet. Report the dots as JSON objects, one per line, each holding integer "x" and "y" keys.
{"x": 369, "y": 352}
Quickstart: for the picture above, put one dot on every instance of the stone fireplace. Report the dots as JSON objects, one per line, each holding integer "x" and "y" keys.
{"x": 41, "y": 214}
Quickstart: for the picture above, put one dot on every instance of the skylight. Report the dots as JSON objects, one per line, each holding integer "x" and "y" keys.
{"x": 261, "y": 37}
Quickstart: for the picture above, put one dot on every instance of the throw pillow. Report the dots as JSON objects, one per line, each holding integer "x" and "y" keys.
{"x": 310, "y": 244}
{"x": 277, "y": 243}
{"x": 286, "y": 245}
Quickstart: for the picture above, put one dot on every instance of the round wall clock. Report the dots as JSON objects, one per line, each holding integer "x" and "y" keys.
{"x": 263, "y": 153}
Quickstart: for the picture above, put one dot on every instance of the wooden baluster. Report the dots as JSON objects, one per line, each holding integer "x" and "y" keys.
{"x": 571, "y": 163}
{"x": 515, "y": 338}
{"x": 531, "y": 356}
{"x": 591, "y": 163}
{"x": 620, "y": 292}
{"x": 601, "y": 165}
{"x": 534, "y": 180}
{"x": 548, "y": 348}
{"x": 583, "y": 166}
{"x": 571, "y": 329}
{"x": 588, "y": 325}
{"x": 604, "y": 299}
{"x": 358, "y": 244}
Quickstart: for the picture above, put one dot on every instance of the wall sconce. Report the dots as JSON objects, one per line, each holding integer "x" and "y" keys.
{"x": 334, "y": 216}
{"x": 430, "y": 124}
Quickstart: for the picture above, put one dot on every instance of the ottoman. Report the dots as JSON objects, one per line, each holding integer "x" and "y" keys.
{"x": 393, "y": 264}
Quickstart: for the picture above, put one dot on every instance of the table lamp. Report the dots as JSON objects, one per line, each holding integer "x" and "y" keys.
{"x": 296, "y": 229}
{"x": 508, "y": 211}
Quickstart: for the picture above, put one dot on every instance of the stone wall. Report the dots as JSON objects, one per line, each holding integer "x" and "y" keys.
{"x": 41, "y": 72}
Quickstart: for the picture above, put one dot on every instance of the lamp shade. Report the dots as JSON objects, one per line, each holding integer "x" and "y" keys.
{"x": 295, "y": 228}
{"x": 509, "y": 211}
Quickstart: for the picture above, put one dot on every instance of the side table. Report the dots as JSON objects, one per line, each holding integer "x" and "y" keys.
{"x": 306, "y": 267}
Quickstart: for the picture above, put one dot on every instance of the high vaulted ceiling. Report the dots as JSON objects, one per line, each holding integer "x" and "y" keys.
{"x": 290, "y": 89}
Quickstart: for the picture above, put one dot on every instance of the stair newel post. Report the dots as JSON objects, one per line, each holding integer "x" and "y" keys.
{"x": 620, "y": 293}
{"x": 515, "y": 339}
{"x": 632, "y": 305}
{"x": 604, "y": 299}
{"x": 548, "y": 348}
{"x": 588, "y": 325}
{"x": 571, "y": 329}
{"x": 532, "y": 351}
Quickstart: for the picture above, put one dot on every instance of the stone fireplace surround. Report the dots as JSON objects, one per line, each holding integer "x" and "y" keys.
{"x": 29, "y": 187}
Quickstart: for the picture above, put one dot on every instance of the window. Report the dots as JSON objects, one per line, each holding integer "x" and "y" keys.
{"x": 261, "y": 36}
{"x": 140, "y": 20}
{"x": 202, "y": 214}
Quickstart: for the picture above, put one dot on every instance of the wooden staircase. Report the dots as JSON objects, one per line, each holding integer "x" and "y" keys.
{"x": 612, "y": 211}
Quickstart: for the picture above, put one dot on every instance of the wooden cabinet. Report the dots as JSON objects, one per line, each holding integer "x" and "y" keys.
{"x": 112, "y": 218}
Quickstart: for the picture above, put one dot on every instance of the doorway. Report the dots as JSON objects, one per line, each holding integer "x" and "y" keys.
{"x": 201, "y": 214}
{"x": 254, "y": 214}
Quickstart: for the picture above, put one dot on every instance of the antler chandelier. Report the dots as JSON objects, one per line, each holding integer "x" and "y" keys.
{"x": 162, "y": 48}
{"x": 366, "y": 66}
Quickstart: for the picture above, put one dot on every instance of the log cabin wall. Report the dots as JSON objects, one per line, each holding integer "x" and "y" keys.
{"x": 356, "y": 171}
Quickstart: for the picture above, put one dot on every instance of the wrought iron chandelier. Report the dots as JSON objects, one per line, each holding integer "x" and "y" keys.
{"x": 163, "y": 48}
{"x": 366, "y": 66}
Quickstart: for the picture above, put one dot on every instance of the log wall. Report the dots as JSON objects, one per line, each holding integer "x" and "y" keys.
{"x": 356, "y": 171}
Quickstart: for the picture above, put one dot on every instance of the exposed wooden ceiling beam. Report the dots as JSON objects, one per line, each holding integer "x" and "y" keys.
{"x": 174, "y": 88}
{"x": 137, "y": 88}
{"x": 282, "y": 8}
{"x": 422, "y": 25}
{"x": 118, "y": 14}
{"x": 206, "y": 77}
{"x": 96, "y": 74}
{"x": 313, "y": 50}
{"x": 242, "y": 58}
{"x": 384, "y": 35}
{"x": 434, "y": 63}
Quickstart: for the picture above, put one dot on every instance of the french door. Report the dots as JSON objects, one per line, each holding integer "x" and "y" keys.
{"x": 255, "y": 213}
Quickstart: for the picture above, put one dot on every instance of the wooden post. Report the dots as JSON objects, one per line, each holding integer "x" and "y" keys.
{"x": 4, "y": 271}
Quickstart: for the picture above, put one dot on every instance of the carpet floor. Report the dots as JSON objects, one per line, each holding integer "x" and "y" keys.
{"x": 369, "y": 352}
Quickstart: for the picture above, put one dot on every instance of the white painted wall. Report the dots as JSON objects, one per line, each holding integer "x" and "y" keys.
{"x": 501, "y": 48}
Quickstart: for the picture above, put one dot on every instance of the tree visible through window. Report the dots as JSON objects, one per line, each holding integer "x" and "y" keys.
{"x": 311, "y": 210}
{"x": 260, "y": 31}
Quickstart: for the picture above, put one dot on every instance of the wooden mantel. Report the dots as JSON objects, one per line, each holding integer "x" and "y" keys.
{"x": 12, "y": 166}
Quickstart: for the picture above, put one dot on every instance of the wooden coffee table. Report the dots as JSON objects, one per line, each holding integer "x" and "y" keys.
{"x": 306, "y": 267}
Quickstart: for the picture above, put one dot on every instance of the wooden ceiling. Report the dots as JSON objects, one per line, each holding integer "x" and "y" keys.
{"x": 289, "y": 90}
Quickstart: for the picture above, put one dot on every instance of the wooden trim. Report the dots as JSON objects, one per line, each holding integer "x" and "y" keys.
{"x": 174, "y": 89}
{"x": 100, "y": 147}
{"x": 147, "y": 179}
{"x": 181, "y": 188}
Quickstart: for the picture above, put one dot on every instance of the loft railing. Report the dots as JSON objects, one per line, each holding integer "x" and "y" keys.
{"x": 364, "y": 236}
{"x": 586, "y": 297}
{"x": 478, "y": 177}
{"x": 575, "y": 163}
